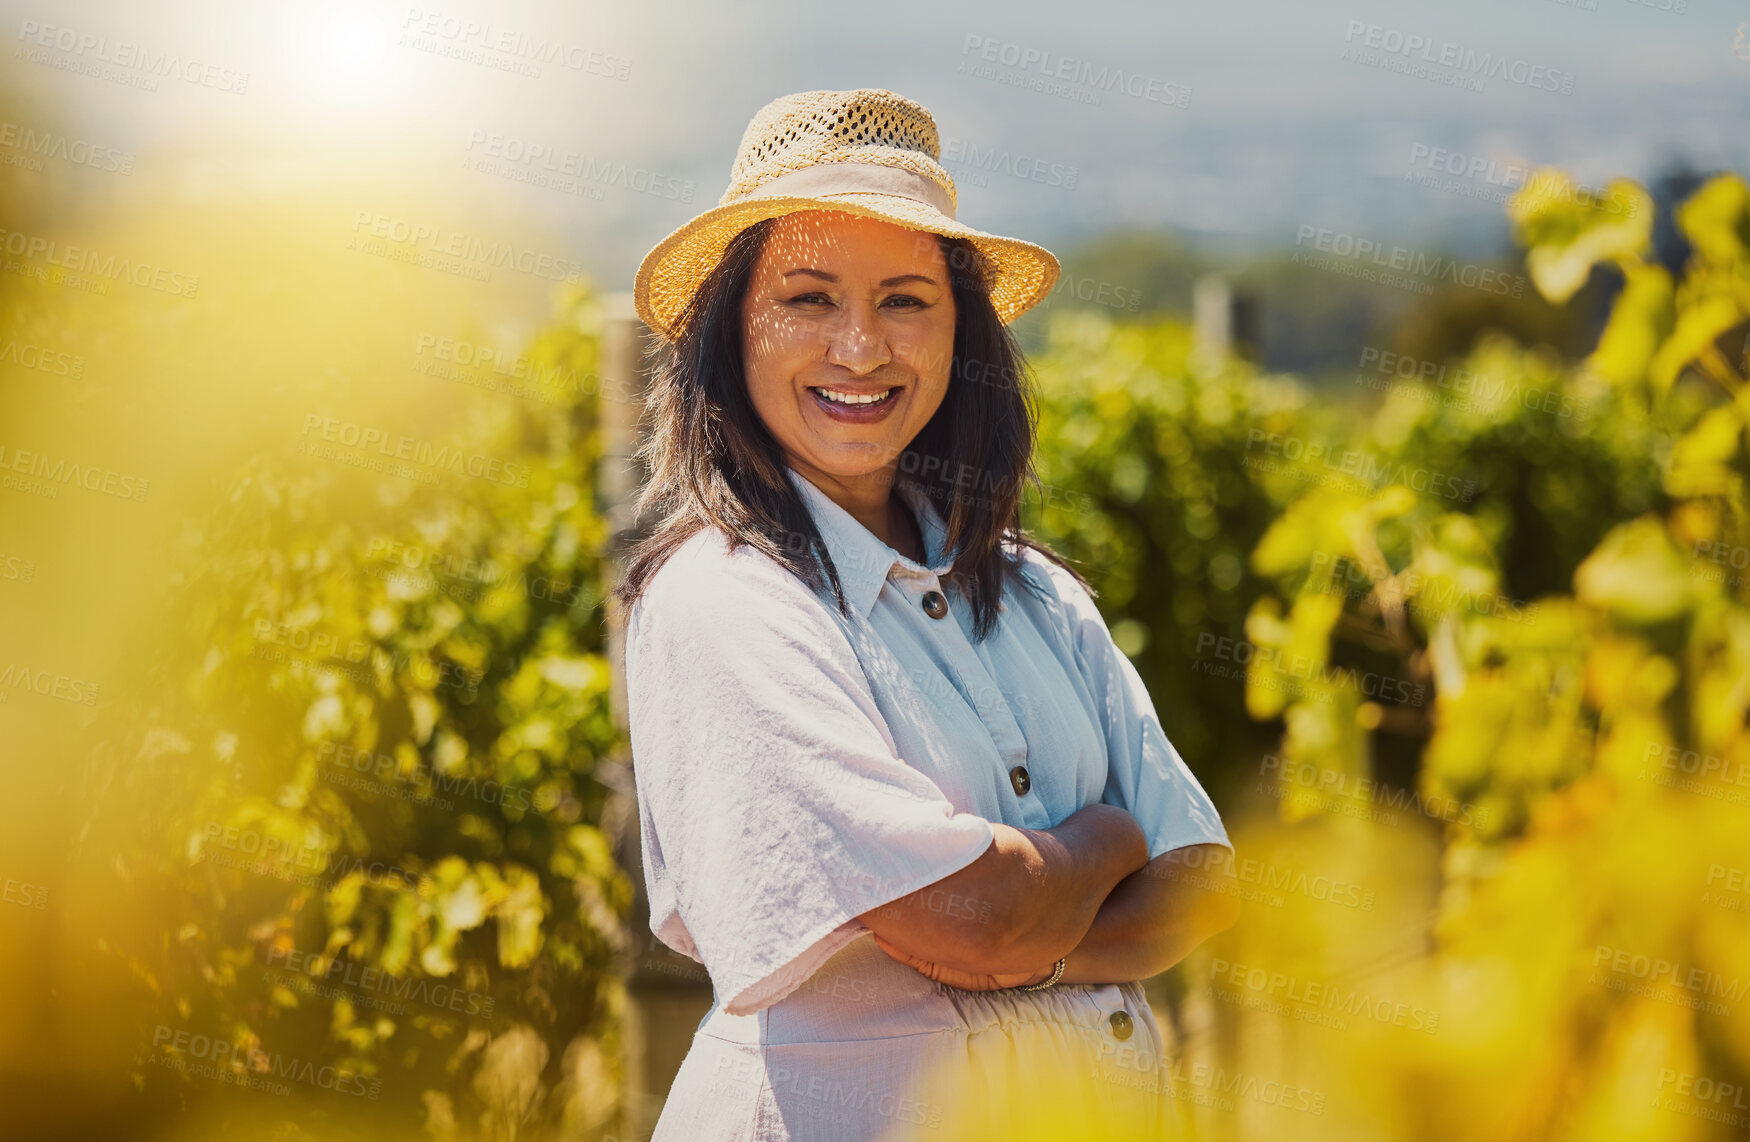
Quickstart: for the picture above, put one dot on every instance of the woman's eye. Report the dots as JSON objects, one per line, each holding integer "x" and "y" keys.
{"x": 903, "y": 300}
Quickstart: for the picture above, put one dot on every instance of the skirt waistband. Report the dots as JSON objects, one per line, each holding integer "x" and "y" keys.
{"x": 862, "y": 993}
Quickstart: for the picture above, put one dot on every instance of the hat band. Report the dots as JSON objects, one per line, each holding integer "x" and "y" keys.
{"x": 854, "y": 178}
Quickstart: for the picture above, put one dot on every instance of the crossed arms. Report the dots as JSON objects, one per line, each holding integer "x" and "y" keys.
{"x": 1084, "y": 890}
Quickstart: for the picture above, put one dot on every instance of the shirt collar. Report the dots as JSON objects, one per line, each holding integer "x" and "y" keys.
{"x": 863, "y": 561}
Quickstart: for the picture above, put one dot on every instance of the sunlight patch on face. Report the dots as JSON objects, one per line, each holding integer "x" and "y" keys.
{"x": 858, "y": 306}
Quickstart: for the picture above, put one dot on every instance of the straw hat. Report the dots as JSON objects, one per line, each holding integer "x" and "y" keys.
{"x": 866, "y": 152}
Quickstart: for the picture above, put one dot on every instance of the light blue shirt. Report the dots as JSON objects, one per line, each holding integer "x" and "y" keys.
{"x": 796, "y": 767}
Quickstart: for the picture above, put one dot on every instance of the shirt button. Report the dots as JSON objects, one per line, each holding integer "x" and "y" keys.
{"x": 1020, "y": 780}
{"x": 935, "y": 604}
{"x": 1121, "y": 1024}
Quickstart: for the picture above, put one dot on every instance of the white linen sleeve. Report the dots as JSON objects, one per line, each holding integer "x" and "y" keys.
{"x": 1145, "y": 773}
{"x": 773, "y": 808}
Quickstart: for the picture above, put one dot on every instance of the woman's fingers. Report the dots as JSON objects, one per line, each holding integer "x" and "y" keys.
{"x": 890, "y": 949}
{"x": 952, "y": 977}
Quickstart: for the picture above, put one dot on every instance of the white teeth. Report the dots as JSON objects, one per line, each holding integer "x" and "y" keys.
{"x": 852, "y": 398}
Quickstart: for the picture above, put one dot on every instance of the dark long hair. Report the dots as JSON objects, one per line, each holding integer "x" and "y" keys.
{"x": 713, "y": 462}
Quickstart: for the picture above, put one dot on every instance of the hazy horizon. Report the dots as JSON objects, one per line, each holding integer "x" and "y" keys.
{"x": 1248, "y": 121}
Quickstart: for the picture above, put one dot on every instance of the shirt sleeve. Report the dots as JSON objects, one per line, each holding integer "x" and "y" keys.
{"x": 1145, "y": 774}
{"x": 773, "y": 807}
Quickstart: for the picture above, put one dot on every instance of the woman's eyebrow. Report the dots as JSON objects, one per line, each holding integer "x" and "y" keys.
{"x": 900, "y": 280}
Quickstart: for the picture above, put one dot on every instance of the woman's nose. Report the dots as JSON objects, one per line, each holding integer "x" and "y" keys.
{"x": 857, "y": 342}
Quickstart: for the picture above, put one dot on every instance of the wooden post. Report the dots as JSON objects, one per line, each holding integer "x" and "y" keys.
{"x": 667, "y": 993}
{"x": 1224, "y": 321}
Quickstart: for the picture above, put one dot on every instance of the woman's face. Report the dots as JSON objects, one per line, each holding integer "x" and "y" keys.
{"x": 839, "y": 310}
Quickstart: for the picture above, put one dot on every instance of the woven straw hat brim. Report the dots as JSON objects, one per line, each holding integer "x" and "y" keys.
{"x": 675, "y": 267}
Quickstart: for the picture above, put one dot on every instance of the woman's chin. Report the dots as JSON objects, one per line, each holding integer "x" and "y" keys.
{"x": 853, "y": 459}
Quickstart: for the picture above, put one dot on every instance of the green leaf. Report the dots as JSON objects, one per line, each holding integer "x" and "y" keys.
{"x": 1716, "y": 220}
{"x": 1637, "y": 574}
{"x": 1698, "y": 327}
{"x": 519, "y": 918}
{"x": 1640, "y": 320}
{"x": 1701, "y": 460}
{"x": 1565, "y": 236}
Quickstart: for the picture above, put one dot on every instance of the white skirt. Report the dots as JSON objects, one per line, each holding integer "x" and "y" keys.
{"x": 868, "y": 1050}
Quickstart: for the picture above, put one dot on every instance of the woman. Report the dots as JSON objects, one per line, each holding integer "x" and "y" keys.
{"x": 899, "y": 792}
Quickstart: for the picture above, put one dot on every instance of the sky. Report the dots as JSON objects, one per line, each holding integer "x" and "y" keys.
{"x": 1247, "y": 121}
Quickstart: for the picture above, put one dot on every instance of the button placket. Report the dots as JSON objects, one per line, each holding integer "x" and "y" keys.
{"x": 968, "y": 673}
{"x": 978, "y": 688}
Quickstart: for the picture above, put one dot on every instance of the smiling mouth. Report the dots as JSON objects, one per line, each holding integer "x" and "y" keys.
{"x": 854, "y": 400}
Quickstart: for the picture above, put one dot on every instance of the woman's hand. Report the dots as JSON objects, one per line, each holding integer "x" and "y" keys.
{"x": 964, "y": 980}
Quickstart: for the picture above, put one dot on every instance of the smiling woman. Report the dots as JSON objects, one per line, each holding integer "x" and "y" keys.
{"x": 863, "y": 701}
{"x": 845, "y": 366}
{"x": 810, "y": 305}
